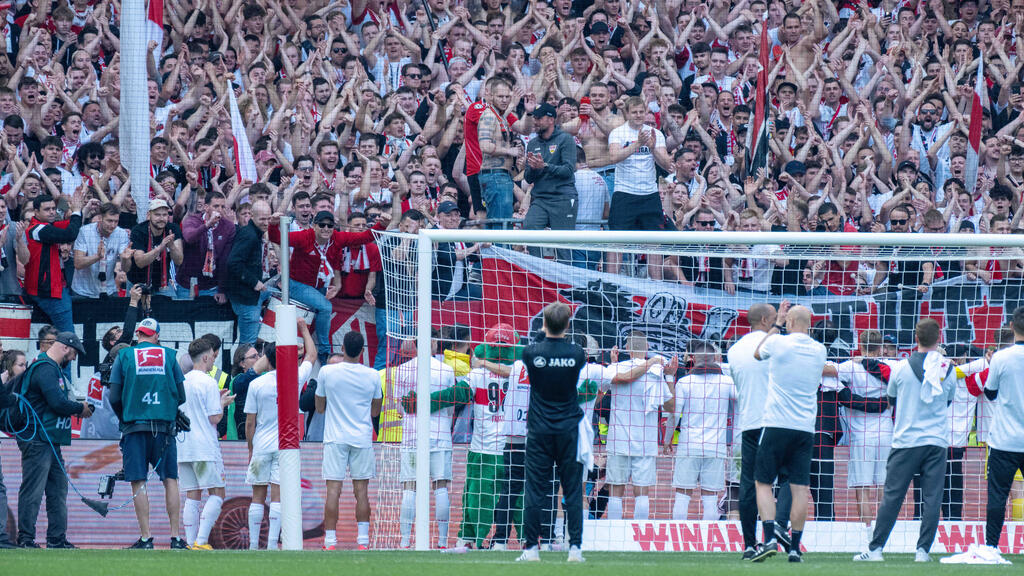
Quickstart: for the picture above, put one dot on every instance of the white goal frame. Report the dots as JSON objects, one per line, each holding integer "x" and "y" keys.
{"x": 428, "y": 239}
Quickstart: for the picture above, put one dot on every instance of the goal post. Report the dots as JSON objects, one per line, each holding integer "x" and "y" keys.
{"x": 972, "y": 289}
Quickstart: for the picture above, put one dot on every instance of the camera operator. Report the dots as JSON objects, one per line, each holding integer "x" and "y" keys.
{"x": 47, "y": 390}
{"x": 146, "y": 388}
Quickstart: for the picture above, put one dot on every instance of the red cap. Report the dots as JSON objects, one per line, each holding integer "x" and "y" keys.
{"x": 501, "y": 333}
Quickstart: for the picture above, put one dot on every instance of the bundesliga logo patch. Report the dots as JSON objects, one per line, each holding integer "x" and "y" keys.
{"x": 149, "y": 361}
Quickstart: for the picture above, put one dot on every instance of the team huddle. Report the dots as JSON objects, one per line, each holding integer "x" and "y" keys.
{"x": 897, "y": 415}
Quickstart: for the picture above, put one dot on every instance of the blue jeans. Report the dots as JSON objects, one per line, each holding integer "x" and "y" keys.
{"x": 183, "y": 293}
{"x": 58, "y": 309}
{"x": 249, "y": 319}
{"x": 588, "y": 259}
{"x": 497, "y": 191}
{"x": 319, "y": 303}
{"x": 387, "y": 342}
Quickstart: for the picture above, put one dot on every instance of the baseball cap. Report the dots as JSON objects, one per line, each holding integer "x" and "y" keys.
{"x": 599, "y": 28}
{"x": 795, "y": 167}
{"x": 447, "y": 206}
{"x": 889, "y": 339}
{"x": 905, "y": 165}
{"x": 789, "y": 85}
{"x": 69, "y": 339}
{"x": 323, "y": 216}
{"x": 543, "y": 110}
{"x": 148, "y": 327}
{"x": 501, "y": 333}
{"x": 158, "y": 204}
{"x": 264, "y": 155}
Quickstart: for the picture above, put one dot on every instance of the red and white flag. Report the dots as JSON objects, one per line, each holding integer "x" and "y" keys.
{"x": 245, "y": 164}
{"x": 155, "y": 27}
{"x": 974, "y": 132}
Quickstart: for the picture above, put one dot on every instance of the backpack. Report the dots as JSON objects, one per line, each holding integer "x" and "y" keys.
{"x": 14, "y": 419}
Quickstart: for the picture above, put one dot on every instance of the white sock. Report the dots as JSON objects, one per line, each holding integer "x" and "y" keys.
{"x": 208, "y": 518}
{"x": 442, "y": 508}
{"x": 255, "y": 521}
{"x": 275, "y": 526}
{"x": 407, "y": 515}
{"x": 614, "y": 510}
{"x": 710, "y": 505}
{"x": 364, "y": 533}
{"x": 559, "y": 534}
{"x": 681, "y": 506}
{"x": 330, "y": 537}
{"x": 190, "y": 516}
{"x": 641, "y": 508}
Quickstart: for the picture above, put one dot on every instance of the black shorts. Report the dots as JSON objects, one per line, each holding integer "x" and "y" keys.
{"x": 786, "y": 450}
{"x": 634, "y": 212}
{"x": 140, "y": 450}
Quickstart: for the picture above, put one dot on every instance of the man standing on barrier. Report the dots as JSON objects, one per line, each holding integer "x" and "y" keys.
{"x": 146, "y": 388}
{"x": 46, "y": 389}
{"x": 550, "y": 167}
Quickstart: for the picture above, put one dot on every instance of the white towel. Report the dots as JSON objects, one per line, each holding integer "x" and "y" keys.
{"x": 585, "y": 445}
{"x": 655, "y": 392}
{"x": 936, "y": 366}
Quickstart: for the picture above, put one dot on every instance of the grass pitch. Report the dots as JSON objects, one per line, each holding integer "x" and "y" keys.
{"x": 161, "y": 562}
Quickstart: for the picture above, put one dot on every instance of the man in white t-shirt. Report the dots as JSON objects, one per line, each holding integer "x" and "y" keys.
{"x": 350, "y": 395}
{"x": 702, "y": 400}
{"x": 1005, "y": 389}
{"x": 442, "y": 377}
{"x": 750, "y": 376}
{"x": 200, "y": 466}
{"x": 636, "y": 203}
{"x": 795, "y": 365}
{"x": 641, "y": 387}
{"x": 261, "y": 431}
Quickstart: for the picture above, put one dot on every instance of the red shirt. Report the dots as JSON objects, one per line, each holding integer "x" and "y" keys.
{"x": 471, "y": 137}
{"x": 44, "y": 273}
{"x": 356, "y": 264}
{"x": 314, "y": 264}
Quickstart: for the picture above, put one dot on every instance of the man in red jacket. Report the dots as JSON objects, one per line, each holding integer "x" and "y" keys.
{"x": 44, "y": 274}
{"x": 315, "y": 260}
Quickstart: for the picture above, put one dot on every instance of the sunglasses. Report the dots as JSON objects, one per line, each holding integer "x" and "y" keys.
{"x": 414, "y": 76}
{"x": 705, "y": 222}
{"x": 339, "y": 50}
{"x": 899, "y": 222}
{"x": 305, "y": 169}
{"x": 328, "y": 225}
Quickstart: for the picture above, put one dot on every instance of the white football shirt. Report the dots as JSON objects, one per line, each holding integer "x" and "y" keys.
{"x": 633, "y": 429}
{"x": 488, "y": 391}
{"x": 702, "y": 410}
{"x": 1006, "y": 374}
{"x": 441, "y": 376}
{"x": 202, "y": 400}
{"x": 349, "y": 390}
{"x": 261, "y": 400}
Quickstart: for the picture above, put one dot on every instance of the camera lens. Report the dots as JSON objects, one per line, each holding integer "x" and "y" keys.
{"x": 102, "y": 276}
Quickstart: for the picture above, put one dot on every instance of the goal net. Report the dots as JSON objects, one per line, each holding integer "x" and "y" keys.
{"x": 666, "y": 455}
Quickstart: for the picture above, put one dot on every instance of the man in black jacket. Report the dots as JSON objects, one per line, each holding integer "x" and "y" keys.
{"x": 244, "y": 286}
{"x": 46, "y": 389}
{"x": 551, "y": 167}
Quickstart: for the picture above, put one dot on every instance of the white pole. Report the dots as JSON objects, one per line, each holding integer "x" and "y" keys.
{"x": 721, "y": 238}
{"x": 133, "y": 131}
{"x": 424, "y": 261}
{"x": 288, "y": 428}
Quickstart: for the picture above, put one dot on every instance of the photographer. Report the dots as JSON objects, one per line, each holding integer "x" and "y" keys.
{"x": 146, "y": 388}
{"x": 156, "y": 248}
{"x": 46, "y": 389}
